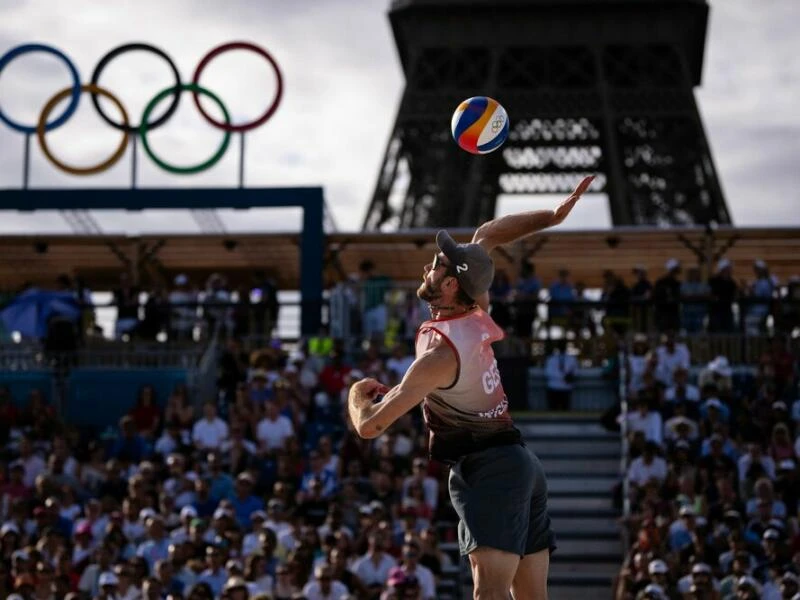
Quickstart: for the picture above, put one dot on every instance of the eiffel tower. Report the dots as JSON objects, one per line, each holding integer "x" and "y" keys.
{"x": 591, "y": 86}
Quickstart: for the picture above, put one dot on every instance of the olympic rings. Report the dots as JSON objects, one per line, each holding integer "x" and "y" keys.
{"x": 195, "y": 89}
{"x": 76, "y": 85}
{"x": 100, "y": 167}
{"x": 103, "y": 63}
{"x": 144, "y": 126}
{"x": 275, "y": 101}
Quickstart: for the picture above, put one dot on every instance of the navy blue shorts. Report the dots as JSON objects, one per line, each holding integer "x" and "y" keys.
{"x": 500, "y": 495}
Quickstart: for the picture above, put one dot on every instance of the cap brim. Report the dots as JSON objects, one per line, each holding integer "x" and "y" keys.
{"x": 446, "y": 243}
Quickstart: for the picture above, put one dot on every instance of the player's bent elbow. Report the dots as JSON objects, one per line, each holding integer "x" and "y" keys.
{"x": 368, "y": 431}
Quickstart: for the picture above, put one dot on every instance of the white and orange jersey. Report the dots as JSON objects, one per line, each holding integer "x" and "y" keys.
{"x": 474, "y": 408}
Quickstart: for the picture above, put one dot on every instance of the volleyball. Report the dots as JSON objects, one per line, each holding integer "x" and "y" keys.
{"x": 480, "y": 125}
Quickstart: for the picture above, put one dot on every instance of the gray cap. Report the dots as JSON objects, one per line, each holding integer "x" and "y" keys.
{"x": 472, "y": 265}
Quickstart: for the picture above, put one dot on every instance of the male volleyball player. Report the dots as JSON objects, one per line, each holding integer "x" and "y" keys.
{"x": 497, "y": 486}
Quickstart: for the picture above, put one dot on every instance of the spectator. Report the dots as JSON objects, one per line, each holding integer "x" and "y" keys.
{"x": 781, "y": 447}
{"x": 244, "y": 502}
{"x": 183, "y": 311}
{"x": 681, "y": 390}
{"x": 500, "y": 296}
{"x": 129, "y": 445}
{"x": 695, "y": 293}
{"x": 318, "y": 472}
{"x": 647, "y": 421}
{"x": 671, "y": 357}
{"x": 146, "y": 414}
{"x": 216, "y": 302}
{"x": 562, "y": 295}
{"x": 373, "y": 567}
{"x": 560, "y": 369}
{"x": 755, "y": 456}
{"x": 777, "y": 365}
{"x": 374, "y": 288}
{"x": 126, "y": 299}
{"x": 719, "y": 373}
{"x": 220, "y": 482}
{"x": 616, "y": 296}
{"x": 400, "y": 360}
{"x": 333, "y": 375}
{"x": 724, "y": 293}
{"x": 179, "y": 409}
{"x": 156, "y": 544}
{"x": 419, "y": 476}
{"x": 215, "y": 575}
{"x": 641, "y": 292}
{"x": 526, "y": 300}
{"x": 273, "y": 430}
{"x": 410, "y": 567}
{"x": 637, "y": 364}
{"x": 210, "y": 431}
{"x": 324, "y": 587}
{"x": 667, "y": 296}
{"x": 648, "y": 466}
{"x": 759, "y": 303}
{"x": 259, "y": 581}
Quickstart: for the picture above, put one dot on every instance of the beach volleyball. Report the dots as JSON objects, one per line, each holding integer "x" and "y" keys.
{"x": 480, "y": 125}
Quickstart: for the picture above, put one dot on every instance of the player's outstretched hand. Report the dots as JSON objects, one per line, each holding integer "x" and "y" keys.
{"x": 560, "y": 213}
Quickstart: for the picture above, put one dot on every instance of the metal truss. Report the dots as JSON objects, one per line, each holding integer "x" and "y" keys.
{"x": 618, "y": 105}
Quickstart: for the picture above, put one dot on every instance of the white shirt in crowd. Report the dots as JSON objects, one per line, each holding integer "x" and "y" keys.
{"x": 34, "y": 466}
{"x": 640, "y": 473}
{"x": 650, "y": 424}
{"x": 313, "y": 591}
{"x": 183, "y": 317}
{"x": 403, "y": 445}
{"x": 430, "y": 489}
{"x": 273, "y": 434}
{"x": 399, "y": 365}
{"x": 165, "y": 445}
{"x": 637, "y": 365}
{"x": 746, "y": 461}
{"x": 262, "y": 585}
{"x": 427, "y": 583}
{"x": 557, "y": 367}
{"x": 132, "y": 593}
{"x": 668, "y": 362}
{"x": 373, "y": 574}
{"x": 210, "y": 434}
{"x": 692, "y": 393}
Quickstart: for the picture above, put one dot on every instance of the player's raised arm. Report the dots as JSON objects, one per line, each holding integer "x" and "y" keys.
{"x": 437, "y": 368}
{"x": 510, "y": 228}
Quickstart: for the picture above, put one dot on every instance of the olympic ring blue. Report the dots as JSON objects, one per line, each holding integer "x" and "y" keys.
{"x": 76, "y": 86}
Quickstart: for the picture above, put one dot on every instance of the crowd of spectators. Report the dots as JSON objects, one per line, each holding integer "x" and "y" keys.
{"x": 266, "y": 493}
{"x": 673, "y": 302}
{"x": 713, "y": 476}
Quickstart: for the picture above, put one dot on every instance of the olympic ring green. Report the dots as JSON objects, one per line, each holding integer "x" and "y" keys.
{"x": 188, "y": 87}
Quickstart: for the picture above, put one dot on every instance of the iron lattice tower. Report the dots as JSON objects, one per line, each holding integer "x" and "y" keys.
{"x": 591, "y": 86}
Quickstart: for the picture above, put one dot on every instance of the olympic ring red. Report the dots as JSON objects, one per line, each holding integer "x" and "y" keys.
{"x": 239, "y": 46}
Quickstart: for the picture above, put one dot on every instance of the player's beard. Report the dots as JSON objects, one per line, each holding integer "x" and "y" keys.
{"x": 428, "y": 292}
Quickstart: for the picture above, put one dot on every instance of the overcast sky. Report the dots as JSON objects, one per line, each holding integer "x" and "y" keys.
{"x": 342, "y": 87}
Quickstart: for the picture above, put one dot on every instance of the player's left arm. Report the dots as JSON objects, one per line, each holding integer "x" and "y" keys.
{"x": 510, "y": 228}
{"x": 437, "y": 368}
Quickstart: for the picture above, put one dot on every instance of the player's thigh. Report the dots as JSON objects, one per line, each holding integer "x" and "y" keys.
{"x": 492, "y": 572}
{"x": 530, "y": 580}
